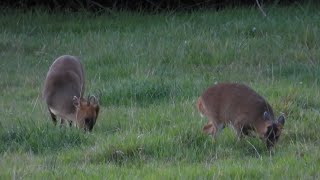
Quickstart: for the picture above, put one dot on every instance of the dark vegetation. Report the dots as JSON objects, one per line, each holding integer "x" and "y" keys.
{"x": 148, "y": 5}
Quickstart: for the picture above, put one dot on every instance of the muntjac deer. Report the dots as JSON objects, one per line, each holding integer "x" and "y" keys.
{"x": 63, "y": 94}
{"x": 243, "y": 108}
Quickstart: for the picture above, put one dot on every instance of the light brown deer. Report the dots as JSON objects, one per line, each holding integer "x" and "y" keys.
{"x": 63, "y": 93}
{"x": 242, "y": 108}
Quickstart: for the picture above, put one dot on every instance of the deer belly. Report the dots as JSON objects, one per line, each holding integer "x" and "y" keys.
{"x": 69, "y": 117}
{"x": 55, "y": 112}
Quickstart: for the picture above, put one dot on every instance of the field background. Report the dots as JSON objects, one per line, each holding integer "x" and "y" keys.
{"x": 149, "y": 70}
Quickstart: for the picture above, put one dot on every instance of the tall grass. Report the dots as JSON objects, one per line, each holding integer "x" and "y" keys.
{"x": 148, "y": 70}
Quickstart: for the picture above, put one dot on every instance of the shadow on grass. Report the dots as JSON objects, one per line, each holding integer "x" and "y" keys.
{"x": 190, "y": 146}
{"x": 137, "y": 92}
{"x": 224, "y": 146}
{"x": 41, "y": 139}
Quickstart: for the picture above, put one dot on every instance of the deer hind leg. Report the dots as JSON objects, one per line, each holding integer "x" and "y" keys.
{"x": 213, "y": 128}
{"x": 220, "y": 127}
{"x": 53, "y": 117}
{"x": 210, "y": 128}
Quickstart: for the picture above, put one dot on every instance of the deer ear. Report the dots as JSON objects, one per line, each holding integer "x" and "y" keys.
{"x": 93, "y": 100}
{"x": 76, "y": 101}
{"x": 281, "y": 120}
{"x": 266, "y": 116}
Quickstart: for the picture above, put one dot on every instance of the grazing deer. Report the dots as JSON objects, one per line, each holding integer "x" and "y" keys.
{"x": 63, "y": 94}
{"x": 243, "y": 108}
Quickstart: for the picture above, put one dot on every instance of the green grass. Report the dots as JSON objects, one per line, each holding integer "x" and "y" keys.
{"x": 148, "y": 71}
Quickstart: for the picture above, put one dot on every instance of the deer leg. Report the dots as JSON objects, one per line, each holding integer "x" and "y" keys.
{"x": 240, "y": 134}
{"x": 214, "y": 126}
{"x": 213, "y": 129}
{"x": 240, "y": 128}
{"x": 70, "y": 123}
{"x": 210, "y": 128}
{"x": 53, "y": 117}
{"x": 242, "y": 131}
{"x": 63, "y": 122}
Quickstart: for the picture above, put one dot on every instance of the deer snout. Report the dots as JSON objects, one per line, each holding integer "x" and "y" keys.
{"x": 89, "y": 123}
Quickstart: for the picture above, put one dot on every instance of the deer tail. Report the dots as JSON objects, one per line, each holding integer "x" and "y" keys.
{"x": 201, "y": 107}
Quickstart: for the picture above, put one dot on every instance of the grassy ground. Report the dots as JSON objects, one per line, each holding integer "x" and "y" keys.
{"x": 149, "y": 71}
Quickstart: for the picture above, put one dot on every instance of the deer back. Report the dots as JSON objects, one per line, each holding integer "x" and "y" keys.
{"x": 65, "y": 79}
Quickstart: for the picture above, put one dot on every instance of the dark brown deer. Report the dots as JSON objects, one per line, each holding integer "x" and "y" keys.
{"x": 63, "y": 93}
{"x": 242, "y": 108}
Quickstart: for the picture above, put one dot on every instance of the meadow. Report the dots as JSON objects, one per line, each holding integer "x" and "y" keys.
{"x": 148, "y": 70}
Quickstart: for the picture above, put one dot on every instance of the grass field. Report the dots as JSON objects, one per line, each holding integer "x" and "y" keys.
{"x": 149, "y": 70}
